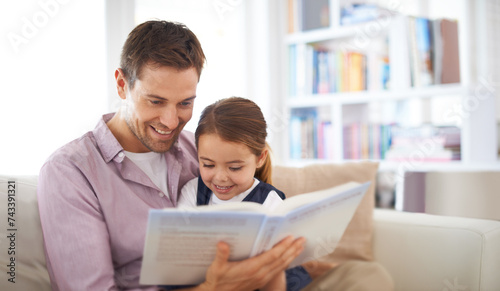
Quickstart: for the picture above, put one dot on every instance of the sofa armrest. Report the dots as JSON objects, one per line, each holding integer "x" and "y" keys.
{"x": 22, "y": 258}
{"x": 430, "y": 252}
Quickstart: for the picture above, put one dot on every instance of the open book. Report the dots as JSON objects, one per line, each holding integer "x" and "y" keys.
{"x": 181, "y": 243}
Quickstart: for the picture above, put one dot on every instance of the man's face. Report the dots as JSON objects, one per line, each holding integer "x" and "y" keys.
{"x": 157, "y": 108}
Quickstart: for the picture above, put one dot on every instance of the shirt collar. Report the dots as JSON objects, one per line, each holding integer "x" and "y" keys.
{"x": 106, "y": 141}
{"x": 109, "y": 145}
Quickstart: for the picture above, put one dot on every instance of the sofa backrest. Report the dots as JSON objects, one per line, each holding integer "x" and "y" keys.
{"x": 25, "y": 240}
{"x": 22, "y": 259}
{"x": 356, "y": 243}
{"x": 466, "y": 193}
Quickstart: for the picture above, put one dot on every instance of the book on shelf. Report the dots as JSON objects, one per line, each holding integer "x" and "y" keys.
{"x": 426, "y": 143}
{"x": 399, "y": 54}
{"x": 292, "y": 19}
{"x": 446, "y": 58}
{"x": 366, "y": 141}
{"x": 430, "y": 54}
{"x": 321, "y": 72}
{"x": 292, "y": 70}
{"x": 306, "y": 15}
{"x": 423, "y": 70}
{"x": 181, "y": 243}
{"x": 311, "y": 137}
{"x": 361, "y": 12}
{"x": 418, "y": 155}
{"x": 315, "y": 14}
{"x": 318, "y": 70}
{"x": 301, "y": 69}
{"x": 325, "y": 141}
{"x": 303, "y": 133}
{"x": 356, "y": 69}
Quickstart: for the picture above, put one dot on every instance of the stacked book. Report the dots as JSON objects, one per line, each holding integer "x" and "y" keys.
{"x": 426, "y": 143}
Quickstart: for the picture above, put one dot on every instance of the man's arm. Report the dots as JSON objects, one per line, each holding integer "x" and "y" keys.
{"x": 252, "y": 273}
{"x": 76, "y": 238}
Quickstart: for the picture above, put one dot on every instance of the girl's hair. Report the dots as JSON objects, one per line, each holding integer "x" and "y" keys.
{"x": 239, "y": 120}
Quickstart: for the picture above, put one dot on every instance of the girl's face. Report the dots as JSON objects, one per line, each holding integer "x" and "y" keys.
{"x": 227, "y": 168}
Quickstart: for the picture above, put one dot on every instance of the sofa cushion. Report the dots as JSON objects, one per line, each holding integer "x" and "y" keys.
{"x": 21, "y": 246}
{"x": 356, "y": 242}
{"x": 433, "y": 252}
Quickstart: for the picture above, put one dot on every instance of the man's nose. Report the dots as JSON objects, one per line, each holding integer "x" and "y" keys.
{"x": 169, "y": 117}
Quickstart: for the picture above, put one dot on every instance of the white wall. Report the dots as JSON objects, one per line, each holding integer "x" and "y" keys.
{"x": 220, "y": 27}
{"x": 58, "y": 58}
{"x": 52, "y": 56}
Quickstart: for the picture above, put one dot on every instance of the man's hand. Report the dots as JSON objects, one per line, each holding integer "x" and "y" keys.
{"x": 252, "y": 273}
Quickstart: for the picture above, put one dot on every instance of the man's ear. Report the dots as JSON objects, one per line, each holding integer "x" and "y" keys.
{"x": 121, "y": 84}
{"x": 262, "y": 158}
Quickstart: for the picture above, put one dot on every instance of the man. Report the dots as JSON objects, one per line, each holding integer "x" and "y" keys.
{"x": 95, "y": 192}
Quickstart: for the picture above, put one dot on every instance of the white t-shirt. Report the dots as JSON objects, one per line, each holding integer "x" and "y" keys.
{"x": 154, "y": 165}
{"x": 190, "y": 191}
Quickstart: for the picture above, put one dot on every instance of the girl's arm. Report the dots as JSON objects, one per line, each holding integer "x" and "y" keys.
{"x": 187, "y": 199}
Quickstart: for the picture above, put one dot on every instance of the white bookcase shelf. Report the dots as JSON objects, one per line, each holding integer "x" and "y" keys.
{"x": 315, "y": 100}
{"x": 474, "y": 113}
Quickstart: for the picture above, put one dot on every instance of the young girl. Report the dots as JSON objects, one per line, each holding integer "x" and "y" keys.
{"x": 235, "y": 163}
{"x": 235, "y": 166}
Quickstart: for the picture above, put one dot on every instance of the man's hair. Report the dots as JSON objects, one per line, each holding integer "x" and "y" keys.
{"x": 238, "y": 120}
{"x": 160, "y": 43}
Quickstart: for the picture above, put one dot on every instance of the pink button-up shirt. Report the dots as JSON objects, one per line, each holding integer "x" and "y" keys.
{"x": 94, "y": 205}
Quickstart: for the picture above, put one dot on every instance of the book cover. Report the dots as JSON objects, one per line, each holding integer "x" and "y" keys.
{"x": 304, "y": 122}
{"x": 315, "y": 14}
{"x": 421, "y": 51}
{"x": 295, "y": 137}
{"x": 400, "y": 50}
{"x": 424, "y": 41}
{"x": 450, "y": 62}
{"x": 323, "y": 72}
{"x": 356, "y": 69}
{"x": 292, "y": 70}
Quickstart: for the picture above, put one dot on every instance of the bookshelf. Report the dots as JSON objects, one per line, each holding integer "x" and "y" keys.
{"x": 400, "y": 88}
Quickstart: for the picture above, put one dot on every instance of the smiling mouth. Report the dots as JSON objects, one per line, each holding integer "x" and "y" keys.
{"x": 222, "y": 187}
{"x": 162, "y": 132}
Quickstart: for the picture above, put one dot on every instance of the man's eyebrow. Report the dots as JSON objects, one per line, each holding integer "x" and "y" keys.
{"x": 155, "y": 96}
{"x": 165, "y": 99}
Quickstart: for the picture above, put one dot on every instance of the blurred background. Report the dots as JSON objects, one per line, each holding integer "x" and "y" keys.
{"x": 58, "y": 60}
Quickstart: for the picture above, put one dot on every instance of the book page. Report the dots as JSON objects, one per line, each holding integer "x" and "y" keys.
{"x": 243, "y": 206}
{"x": 323, "y": 221}
{"x": 181, "y": 245}
{"x": 297, "y": 201}
{"x": 269, "y": 230}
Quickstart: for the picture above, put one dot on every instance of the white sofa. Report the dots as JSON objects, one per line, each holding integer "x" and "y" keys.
{"x": 420, "y": 251}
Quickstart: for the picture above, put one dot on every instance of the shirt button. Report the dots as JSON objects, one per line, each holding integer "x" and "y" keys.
{"x": 161, "y": 194}
{"x": 120, "y": 155}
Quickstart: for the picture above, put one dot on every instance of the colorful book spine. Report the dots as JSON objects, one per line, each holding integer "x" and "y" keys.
{"x": 337, "y": 71}
{"x": 366, "y": 141}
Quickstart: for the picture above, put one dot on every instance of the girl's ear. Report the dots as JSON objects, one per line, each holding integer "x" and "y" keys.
{"x": 262, "y": 158}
